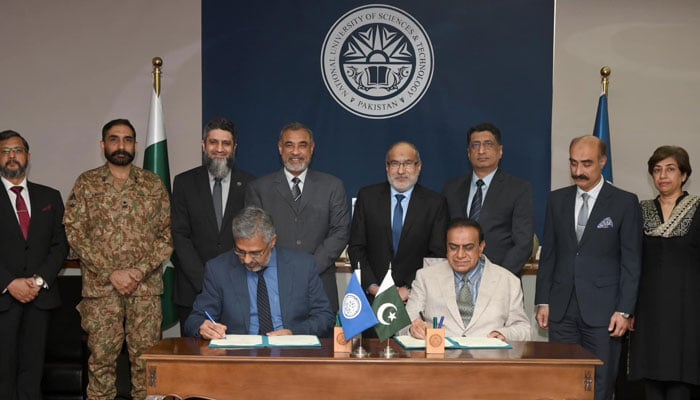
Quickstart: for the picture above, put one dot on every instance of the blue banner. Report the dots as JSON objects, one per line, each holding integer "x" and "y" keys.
{"x": 363, "y": 76}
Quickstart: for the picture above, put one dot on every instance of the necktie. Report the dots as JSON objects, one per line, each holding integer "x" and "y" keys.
{"x": 218, "y": 208}
{"x": 476, "y": 202}
{"x": 397, "y": 222}
{"x": 465, "y": 302}
{"x": 22, "y": 211}
{"x": 582, "y": 217}
{"x": 296, "y": 191}
{"x": 264, "y": 314}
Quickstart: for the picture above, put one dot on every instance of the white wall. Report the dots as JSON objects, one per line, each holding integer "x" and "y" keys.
{"x": 69, "y": 66}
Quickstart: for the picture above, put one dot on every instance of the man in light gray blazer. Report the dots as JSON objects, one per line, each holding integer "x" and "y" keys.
{"x": 495, "y": 304}
{"x": 309, "y": 208}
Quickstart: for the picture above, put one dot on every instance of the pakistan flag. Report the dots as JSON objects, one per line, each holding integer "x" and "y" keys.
{"x": 389, "y": 308}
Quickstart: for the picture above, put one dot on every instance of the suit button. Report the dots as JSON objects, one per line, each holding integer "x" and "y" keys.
{"x": 298, "y": 242}
{"x": 296, "y": 219}
{"x": 218, "y": 245}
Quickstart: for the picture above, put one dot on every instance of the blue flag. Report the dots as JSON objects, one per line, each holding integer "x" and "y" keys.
{"x": 601, "y": 130}
{"x": 356, "y": 314}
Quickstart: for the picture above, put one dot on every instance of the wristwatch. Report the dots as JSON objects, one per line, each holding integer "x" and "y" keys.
{"x": 39, "y": 281}
{"x": 625, "y": 315}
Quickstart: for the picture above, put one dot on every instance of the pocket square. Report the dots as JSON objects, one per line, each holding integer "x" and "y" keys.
{"x": 605, "y": 223}
{"x": 47, "y": 208}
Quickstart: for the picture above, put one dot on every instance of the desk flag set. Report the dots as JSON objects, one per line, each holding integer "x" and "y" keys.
{"x": 389, "y": 308}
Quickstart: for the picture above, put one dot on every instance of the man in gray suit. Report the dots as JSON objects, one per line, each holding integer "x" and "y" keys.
{"x": 502, "y": 203}
{"x": 309, "y": 208}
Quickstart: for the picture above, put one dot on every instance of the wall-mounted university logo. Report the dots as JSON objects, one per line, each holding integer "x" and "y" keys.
{"x": 377, "y": 61}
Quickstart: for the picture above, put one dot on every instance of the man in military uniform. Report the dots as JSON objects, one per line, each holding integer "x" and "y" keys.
{"x": 118, "y": 222}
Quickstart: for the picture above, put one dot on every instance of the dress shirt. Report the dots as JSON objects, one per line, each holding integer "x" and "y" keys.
{"x": 273, "y": 292}
{"x": 225, "y": 185}
{"x": 404, "y": 203}
{"x": 13, "y": 196}
{"x": 474, "y": 277}
{"x": 484, "y": 188}
{"x": 302, "y": 179}
{"x": 592, "y": 196}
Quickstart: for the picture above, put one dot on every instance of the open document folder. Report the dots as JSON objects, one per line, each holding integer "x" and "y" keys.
{"x": 410, "y": 343}
{"x": 248, "y": 341}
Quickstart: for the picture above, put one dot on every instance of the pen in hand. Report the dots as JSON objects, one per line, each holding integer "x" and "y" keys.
{"x": 216, "y": 325}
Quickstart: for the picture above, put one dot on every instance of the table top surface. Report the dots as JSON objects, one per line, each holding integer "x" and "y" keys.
{"x": 192, "y": 349}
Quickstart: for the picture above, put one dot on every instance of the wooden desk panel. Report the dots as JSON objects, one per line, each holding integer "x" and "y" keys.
{"x": 186, "y": 367}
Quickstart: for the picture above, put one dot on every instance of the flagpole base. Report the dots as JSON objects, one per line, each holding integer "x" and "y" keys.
{"x": 388, "y": 352}
{"x": 360, "y": 351}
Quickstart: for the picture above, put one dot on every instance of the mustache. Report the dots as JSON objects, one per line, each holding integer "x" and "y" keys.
{"x": 580, "y": 177}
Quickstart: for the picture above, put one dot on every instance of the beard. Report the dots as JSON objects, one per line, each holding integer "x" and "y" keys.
{"x": 401, "y": 183}
{"x": 119, "y": 157}
{"x": 7, "y": 173}
{"x": 219, "y": 167}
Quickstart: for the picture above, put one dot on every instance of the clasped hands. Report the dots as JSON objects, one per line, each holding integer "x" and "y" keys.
{"x": 126, "y": 280}
{"x": 25, "y": 290}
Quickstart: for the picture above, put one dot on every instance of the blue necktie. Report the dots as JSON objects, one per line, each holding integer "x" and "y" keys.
{"x": 397, "y": 222}
{"x": 476, "y": 202}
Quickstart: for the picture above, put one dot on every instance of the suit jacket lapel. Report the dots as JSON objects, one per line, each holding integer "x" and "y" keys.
{"x": 446, "y": 283}
{"x": 206, "y": 201}
{"x": 384, "y": 202}
{"x": 596, "y": 214}
{"x": 284, "y": 274}
{"x": 569, "y": 207}
{"x": 232, "y": 186}
{"x": 414, "y": 212}
{"x": 9, "y": 213}
{"x": 488, "y": 286}
{"x": 464, "y": 194}
{"x": 282, "y": 188}
{"x": 239, "y": 283}
{"x": 308, "y": 192}
{"x": 494, "y": 192}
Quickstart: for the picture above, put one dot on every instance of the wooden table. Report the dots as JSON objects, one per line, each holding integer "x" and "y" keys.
{"x": 187, "y": 367}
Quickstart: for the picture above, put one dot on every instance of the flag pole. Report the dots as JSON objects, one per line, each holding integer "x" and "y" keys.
{"x": 604, "y": 74}
{"x": 388, "y": 352}
{"x": 360, "y": 351}
{"x": 157, "y": 65}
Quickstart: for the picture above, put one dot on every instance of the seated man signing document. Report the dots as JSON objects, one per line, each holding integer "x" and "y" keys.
{"x": 476, "y": 297}
{"x": 258, "y": 289}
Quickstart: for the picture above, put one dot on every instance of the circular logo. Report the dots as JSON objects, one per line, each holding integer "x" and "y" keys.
{"x": 435, "y": 340}
{"x": 377, "y": 61}
{"x": 351, "y": 306}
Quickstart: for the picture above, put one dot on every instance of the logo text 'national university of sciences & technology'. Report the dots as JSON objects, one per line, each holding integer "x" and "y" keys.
{"x": 377, "y": 61}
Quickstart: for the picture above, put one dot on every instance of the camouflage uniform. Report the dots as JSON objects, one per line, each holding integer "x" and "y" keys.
{"x": 112, "y": 228}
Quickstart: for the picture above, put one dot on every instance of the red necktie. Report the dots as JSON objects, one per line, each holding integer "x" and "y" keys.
{"x": 22, "y": 211}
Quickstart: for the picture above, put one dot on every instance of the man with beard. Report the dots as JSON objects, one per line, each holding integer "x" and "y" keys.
{"x": 398, "y": 222}
{"x": 205, "y": 200}
{"x": 33, "y": 246}
{"x": 118, "y": 223}
{"x": 310, "y": 208}
{"x": 591, "y": 262}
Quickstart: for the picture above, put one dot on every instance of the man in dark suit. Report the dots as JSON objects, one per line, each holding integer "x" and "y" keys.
{"x": 397, "y": 222}
{"x": 310, "y": 208}
{"x": 505, "y": 212}
{"x": 591, "y": 262}
{"x": 201, "y": 225}
{"x": 260, "y": 289}
{"x": 33, "y": 246}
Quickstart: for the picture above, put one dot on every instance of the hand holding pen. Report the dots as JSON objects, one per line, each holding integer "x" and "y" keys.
{"x": 210, "y": 329}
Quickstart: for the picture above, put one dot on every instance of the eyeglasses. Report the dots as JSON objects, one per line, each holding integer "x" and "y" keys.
{"x": 16, "y": 150}
{"x": 407, "y": 165}
{"x": 488, "y": 145}
{"x": 255, "y": 255}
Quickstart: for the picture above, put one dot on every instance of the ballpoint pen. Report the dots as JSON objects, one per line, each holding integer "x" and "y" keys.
{"x": 210, "y": 317}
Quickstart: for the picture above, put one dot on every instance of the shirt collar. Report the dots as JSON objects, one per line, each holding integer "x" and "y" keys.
{"x": 487, "y": 179}
{"x": 593, "y": 193}
{"x": 289, "y": 176}
{"x": 9, "y": 184}
{"x": 223, "y": 180}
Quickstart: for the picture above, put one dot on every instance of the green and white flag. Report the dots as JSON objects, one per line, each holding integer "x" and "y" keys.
{"x": 389, "y": 309}
{"x": 156, "y": 160}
